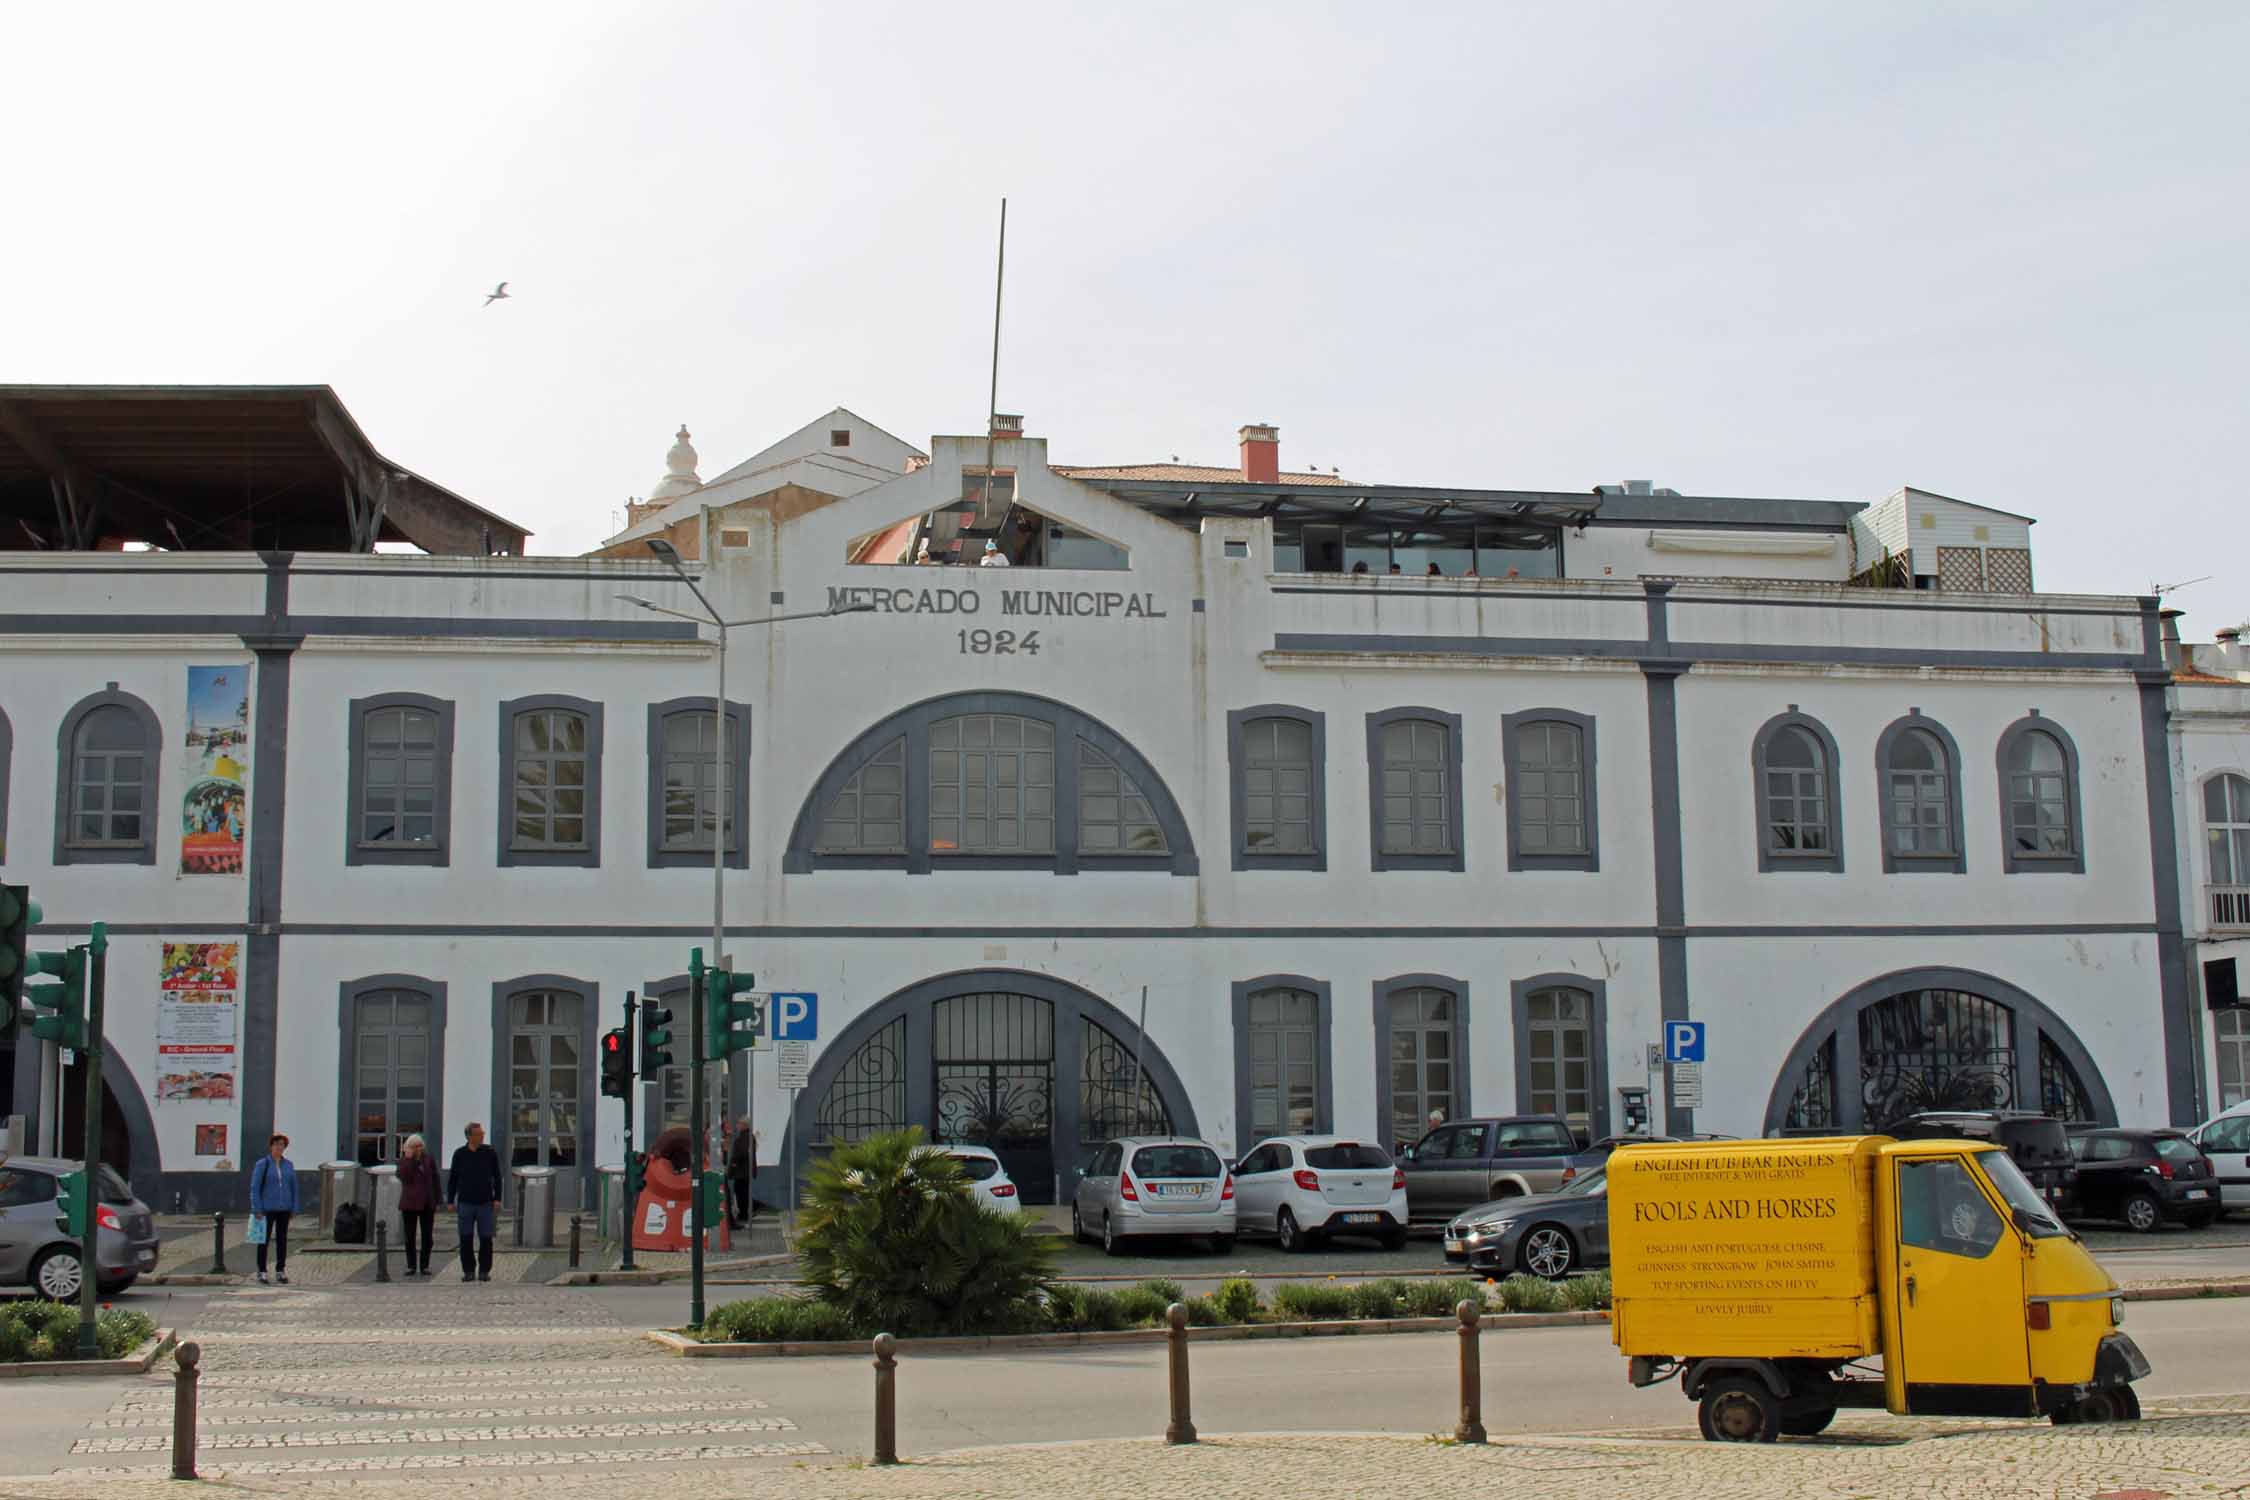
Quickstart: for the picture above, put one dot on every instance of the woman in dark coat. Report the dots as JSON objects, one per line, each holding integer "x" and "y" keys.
{"x": 742, "y": 1170}
{"x": 417, "y": 1203}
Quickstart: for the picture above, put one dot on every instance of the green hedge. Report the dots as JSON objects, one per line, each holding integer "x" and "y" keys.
{"x": 49, "y": 1330}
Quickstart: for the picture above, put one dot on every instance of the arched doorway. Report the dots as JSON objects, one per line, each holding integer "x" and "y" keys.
{"x": 1029, "y": 1065}
{"x": 1932, "y": 1039}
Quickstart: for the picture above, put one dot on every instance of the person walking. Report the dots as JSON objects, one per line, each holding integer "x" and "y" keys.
{"x": 473, "y": 1188}
{"x": 742, "y": 1171}
{"x": 273, "y": 1200}
{"x": 417, "y": 1203}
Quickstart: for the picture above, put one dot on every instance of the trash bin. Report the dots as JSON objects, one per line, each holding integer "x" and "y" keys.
{"x": 535, "y": 1207}
{"x": 340, "y": 1183}
{"x": 382, "y": 1198}
{"x": 614, "y": 1209}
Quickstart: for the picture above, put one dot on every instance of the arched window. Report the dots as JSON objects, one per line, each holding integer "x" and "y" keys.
{"x": 544, "y": 1076}
{"x": 685, "y": 808}
{"x": 1282, "y": 1058}
{"x": 1550, "y": 766}
{"x": 393, "y": 1066}
{"x": 400, "y": 781}
{"x": 1276, "y": 758}
{"x": 1422, "y": 1053}
{"x": 1793, "y": 759}
{"x": 551, "y": 782}
{"x": 1919, "y": 789}
{"x": 2040, "y": 827}
{"x": 1414, "y": 789}
{"x": 2226, "y": 844}
{"x": 990, "y": 781}
{"x": 1562, "y": 1050}
{"x": 110, "y": 748}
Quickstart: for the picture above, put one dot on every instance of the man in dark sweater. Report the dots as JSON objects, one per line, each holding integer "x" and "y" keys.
{"x": 473, "y": 1187}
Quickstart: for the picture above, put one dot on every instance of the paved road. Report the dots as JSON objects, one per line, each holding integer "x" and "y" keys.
{"x": 362, "y": 1381}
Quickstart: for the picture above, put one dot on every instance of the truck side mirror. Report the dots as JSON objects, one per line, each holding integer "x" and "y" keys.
{"x": 2025, "y": 1221}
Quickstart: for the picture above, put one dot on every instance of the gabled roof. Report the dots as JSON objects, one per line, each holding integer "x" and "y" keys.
{"x": 818, "y": 472}
{"x": 1990, "y": 510}
{"x": 812, "y": 438}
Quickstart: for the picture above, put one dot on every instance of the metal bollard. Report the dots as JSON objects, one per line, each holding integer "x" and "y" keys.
{"x": 886, "y": 1399}
{"x": 382, "y": 1251}
{"x": 183, "y": 1410}
{"x": 219, "y": 1243}
{"x": 574, "y": 1231}
{"x": 1471, "y": 1426}
{"x": 1181, "y": 1429}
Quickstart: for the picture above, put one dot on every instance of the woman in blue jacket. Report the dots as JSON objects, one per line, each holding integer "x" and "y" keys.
{"x": 273, "y": 1197}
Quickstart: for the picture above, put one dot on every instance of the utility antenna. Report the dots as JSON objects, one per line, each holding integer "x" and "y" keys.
{"x": 2161, "y": 589}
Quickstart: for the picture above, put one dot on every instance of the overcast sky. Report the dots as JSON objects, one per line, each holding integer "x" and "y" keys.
{"x": 1992, "y": 250}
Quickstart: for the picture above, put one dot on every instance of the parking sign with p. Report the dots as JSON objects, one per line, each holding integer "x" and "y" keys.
{"x": 796, "y": 1016}
{"x": 1683, "y": 1041}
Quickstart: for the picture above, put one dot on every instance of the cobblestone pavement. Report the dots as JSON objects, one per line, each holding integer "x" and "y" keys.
{"x": 2186, "y": 1449}
{"x": 300, "y": 1381}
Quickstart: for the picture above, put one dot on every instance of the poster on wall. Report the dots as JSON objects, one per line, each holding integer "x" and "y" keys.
{"x": 215, "y": 766}
{"x": 198, "y": 1009}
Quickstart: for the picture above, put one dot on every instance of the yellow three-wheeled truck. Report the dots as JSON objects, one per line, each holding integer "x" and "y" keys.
{"x": 1765, "y": 1274}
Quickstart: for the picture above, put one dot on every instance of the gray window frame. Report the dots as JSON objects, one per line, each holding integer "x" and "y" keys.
{"x": 1770, "y": 859}
{"x": 1071, "y": 727}
{"x": 1127, "y": 788}
{"x": 1512, "y": 725}
{"x": 738, "y": 786}
{"x": 7, "y": 774}
{"x": 1244, "y": 857}
{"x": 348, "y": 995}
{"x": 1520, "y": 992}
{"x": 1464, "y": 1100}
{"x": 854, "y": 785}
{"x": 589, "y": 993}
{"x": 438, "y": 853}
{"x": 506, "y": 855}
{"x": 993, "y": 785}
{"x": 1324, "y": 1086}
{"x": 66, "y": 780}
{"x": 1380, "y": 859}
{"x": 2204, "y": 825}
{"x": 2013, "y": 862}
{"x": 1955, "y": 862}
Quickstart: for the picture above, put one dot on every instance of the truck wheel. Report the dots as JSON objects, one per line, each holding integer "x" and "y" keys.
{"x": 1739, "y": 1409}
{"x": 2117, "y": 1404}
{"x": 1547, "y": 1251}
{"x": 1806, "y": 1423}
{"x": 2143, "y": 1214}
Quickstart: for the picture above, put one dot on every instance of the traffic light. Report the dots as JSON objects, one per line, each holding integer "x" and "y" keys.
{"x": 656, "y": 1038}
{"x": 18, "y": 915}
{"x": 72, "y": 1202}
{"x": 731, "y": 1025}
{"x": 617, "y": 1063}
{"x": 64, "y": 1004}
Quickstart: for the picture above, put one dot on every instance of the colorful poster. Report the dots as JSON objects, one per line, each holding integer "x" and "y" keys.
{"x": 214, "y": 805}
{"x": 197, "y": 1017}
{"x": 210, "y": 1140}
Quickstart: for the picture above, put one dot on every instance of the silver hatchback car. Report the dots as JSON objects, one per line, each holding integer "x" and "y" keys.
{"x": 1145, "y": 1186}
{"x": 36, "y": 1249}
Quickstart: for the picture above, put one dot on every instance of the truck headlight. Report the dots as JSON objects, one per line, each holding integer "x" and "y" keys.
{"x": 2117, "y": 1312}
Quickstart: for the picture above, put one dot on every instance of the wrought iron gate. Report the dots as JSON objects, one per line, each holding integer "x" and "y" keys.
{"x": 994, "y": 1057}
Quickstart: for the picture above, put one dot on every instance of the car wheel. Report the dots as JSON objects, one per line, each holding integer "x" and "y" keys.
{"x": 1077, "y": 1227}
{"x": 1547, "y": 1251}
{"x": 1739, "y": 1409}
{"x": 56, "y": 1275}
{"x": 2143, "y": 1214}
{"x": 1285, "y": 1230}
{"x": 1806, "y": 1423}
{"x": 1112, "y": 1242}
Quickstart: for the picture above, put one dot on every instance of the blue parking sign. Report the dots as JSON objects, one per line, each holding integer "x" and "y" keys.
{"x": 1683, "y": 1041}
{"x": 796, "y": 1016}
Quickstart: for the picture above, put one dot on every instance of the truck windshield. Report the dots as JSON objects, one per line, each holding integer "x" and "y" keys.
{"x": 2021, "y": 1196}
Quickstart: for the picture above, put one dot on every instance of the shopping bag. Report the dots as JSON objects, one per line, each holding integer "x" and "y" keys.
{"x": 257, "y": 1234}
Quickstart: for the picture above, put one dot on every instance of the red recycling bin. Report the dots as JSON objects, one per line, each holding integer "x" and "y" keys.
{"x": 661, "y": 1215}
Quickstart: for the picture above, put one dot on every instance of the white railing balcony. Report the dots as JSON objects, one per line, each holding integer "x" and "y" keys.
{"x": 2230, "y": 907}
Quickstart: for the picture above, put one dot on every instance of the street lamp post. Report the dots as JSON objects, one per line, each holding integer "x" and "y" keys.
{"x": 698, "y": 1087}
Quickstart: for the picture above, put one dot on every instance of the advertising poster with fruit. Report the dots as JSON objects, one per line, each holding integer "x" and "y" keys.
{"x": 215, "y": 767}
{"x": 199, "y": 989}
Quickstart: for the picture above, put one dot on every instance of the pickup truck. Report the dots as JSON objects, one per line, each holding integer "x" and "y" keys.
{"x": 1463, "y": 1163}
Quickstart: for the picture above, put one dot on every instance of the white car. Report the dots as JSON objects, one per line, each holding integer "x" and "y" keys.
{"x": 2225, "y": 1139}
{"x": 1140, "y": 1187}
{"x": 988, "y": 1179}
{"x": 1301, "y": 1189}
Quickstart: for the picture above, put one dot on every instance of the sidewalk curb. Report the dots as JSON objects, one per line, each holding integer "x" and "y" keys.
{"x": 136, "y": 1363}
{"x": 687, "y": 1348}
{"x": 197, "y": 1279}
{"x": 639, "y": 1277}
{"x": 2186, "y": 1291}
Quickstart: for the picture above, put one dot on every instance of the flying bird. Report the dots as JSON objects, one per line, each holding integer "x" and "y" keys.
{"x": 496, "y": 294}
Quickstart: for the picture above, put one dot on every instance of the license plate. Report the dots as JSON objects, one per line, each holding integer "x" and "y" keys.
{"x": 1176, "y": 1189}
{"x": 1359, "y": 1218}
{"x": 1456, "y": 1247}
{"x": 2196, "y": 1193}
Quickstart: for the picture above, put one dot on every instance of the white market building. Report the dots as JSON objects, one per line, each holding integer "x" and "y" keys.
{"x": 1374, "y": 844}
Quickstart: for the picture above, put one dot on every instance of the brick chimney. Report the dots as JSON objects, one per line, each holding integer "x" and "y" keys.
{"x": 1006, "y": 425}
{"x": 1261, "y": 454}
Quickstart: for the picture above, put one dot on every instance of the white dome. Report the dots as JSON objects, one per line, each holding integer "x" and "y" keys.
{"x": 679, "y": 471}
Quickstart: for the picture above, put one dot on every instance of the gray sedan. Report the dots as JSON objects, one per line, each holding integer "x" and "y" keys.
{"x": 1550, "y": 1234}
{"x": 36, "y": 1249}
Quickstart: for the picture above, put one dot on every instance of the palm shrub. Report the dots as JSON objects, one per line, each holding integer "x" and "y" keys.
{"x": 894, "y": 1241}
{"x": 1237, "y": 1300}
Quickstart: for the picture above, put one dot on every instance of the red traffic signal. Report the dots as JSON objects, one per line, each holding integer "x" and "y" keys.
{"x": 617, "y": 1063}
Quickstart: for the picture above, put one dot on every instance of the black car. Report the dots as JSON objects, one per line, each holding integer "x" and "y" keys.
{"x": 2143, "y": 1177}
{"x": 2039, "y": 1144}
{"x": 1548, "y": 1234}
